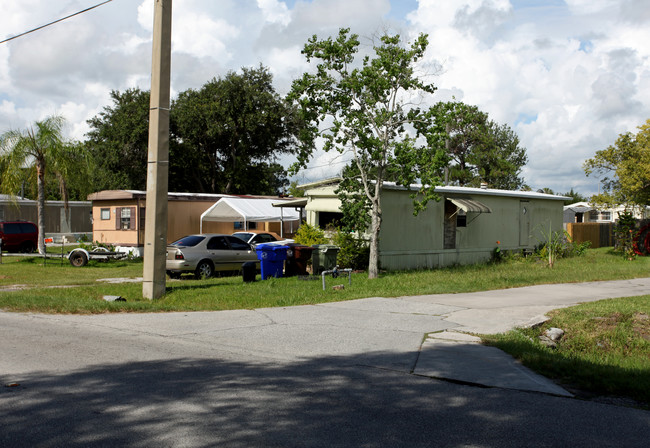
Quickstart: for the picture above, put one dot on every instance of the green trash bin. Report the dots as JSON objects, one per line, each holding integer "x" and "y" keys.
{"x": 324, "y": 257}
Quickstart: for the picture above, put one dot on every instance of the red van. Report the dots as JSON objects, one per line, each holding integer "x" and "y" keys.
{"x": 18, "y": 236}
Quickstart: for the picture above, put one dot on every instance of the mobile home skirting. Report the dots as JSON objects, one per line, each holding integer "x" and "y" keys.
{"x": 430, "y": 259}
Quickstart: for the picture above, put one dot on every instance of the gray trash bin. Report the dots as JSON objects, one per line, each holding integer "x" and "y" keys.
{"x": 324, "y": 257}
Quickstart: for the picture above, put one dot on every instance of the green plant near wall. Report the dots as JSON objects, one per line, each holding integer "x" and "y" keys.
{"x": 556, "y": 245}
{"x": 354, "y": 252}
{"x": 310, "y": 235}
{"x": 498, "y": 255}
{"x": 551, "y": 245}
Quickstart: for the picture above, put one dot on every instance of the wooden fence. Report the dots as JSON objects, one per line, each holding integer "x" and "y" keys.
{"x": 601, "y": 234}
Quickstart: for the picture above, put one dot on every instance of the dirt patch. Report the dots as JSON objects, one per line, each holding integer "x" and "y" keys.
{"x": 608, "y": 322}
{"x": 641, "y": 325}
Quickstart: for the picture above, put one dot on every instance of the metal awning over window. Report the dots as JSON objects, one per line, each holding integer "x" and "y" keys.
{"x": 470, "y": 205}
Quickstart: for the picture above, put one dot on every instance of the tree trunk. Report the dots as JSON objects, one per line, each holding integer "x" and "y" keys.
{"x": 40, "y": 208}
{"x": 233, "y": 159}
{"x": 375, "y": 226}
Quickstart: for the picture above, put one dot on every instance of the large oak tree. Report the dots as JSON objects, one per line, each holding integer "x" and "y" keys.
{"x": 118, "y": 141}
{"x": 226, "y": 137}
{"x": 230, "y": 133}
{"x": 480, "y": 150}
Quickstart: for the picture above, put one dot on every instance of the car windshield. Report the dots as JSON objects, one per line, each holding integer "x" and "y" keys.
{"x": 263, "y": 238}
{"x": 188, "y": 241}
{"x": 245, "y": 236}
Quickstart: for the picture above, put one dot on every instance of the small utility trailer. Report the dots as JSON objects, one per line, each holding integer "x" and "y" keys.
{"x": 79, "y": 257}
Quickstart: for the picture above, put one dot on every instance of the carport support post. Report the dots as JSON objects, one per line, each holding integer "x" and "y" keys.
{"x": 155, "y": 233}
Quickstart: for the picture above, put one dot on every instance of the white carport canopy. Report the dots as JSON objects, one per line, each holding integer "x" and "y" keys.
{"x": 247, "y": 210}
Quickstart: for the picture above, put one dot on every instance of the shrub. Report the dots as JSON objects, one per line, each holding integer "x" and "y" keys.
{"x": 310, "y": 235}
{"x": 624, "y": 232}
{"x": 354, "y": 252}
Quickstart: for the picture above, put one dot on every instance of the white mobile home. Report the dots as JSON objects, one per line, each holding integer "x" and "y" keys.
{"x": 579, "y": 212}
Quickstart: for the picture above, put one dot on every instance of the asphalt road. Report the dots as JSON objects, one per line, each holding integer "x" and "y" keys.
{"x": 334, "y": 375}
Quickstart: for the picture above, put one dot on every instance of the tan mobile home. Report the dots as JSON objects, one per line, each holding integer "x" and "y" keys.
{"x": 119, "y": 215}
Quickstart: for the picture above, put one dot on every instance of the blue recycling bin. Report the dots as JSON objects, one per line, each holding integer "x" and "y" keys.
{"x": 271, "y": 258}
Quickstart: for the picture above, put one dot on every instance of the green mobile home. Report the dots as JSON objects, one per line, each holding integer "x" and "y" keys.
{"x": 464, "y": 227}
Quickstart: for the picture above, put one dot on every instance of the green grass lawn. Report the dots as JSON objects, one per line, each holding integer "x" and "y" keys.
{"x": 605, "y": 349}
{"x": 60, "y": 288}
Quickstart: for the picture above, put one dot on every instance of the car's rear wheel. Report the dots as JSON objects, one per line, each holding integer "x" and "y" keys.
{"x": 204, "y": 270}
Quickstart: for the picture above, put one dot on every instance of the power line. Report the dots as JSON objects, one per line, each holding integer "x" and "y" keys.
{"x": 56, "y": 21}
{"x": 325, "y": 165}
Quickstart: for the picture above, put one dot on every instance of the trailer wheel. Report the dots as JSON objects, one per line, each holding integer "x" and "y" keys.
{"x": 78, "y": 259}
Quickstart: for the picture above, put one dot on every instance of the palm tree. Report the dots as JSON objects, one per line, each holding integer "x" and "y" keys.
{"x": 39, "y": 146}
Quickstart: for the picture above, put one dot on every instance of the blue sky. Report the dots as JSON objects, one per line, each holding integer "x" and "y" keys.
{"x": 567, "y": 76}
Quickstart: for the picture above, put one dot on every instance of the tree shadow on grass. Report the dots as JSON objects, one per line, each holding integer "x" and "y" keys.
{"x": 326, "y": 401}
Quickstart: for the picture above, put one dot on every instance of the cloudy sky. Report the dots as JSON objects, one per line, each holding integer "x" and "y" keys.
{"x": 567, "y": 75}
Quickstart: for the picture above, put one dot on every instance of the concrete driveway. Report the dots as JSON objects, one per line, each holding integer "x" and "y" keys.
{"x": 370, "y": 372}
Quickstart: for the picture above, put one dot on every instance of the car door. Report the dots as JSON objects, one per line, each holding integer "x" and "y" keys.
{"x": 241, "y": 251}
{"x": 220, "y": 253}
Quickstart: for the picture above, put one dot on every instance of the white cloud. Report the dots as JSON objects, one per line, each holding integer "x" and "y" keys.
{"x": 275, "y": 11}
{"x": 76, "y": 115}
{"x": 567, "y": 77}
{"x": 145, "y": 15}
{"x": 567, "y": 85}
{"x": 286, "y": 61}
{"x": 202, "y": 36}
{"x": 318, "y": 15}
{"x": 582, "y": 7}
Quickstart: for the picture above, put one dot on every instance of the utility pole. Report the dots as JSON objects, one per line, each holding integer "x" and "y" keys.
{"x": 155, "y": 233}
